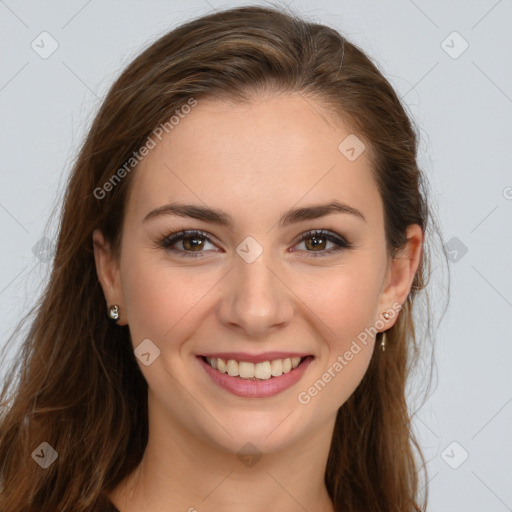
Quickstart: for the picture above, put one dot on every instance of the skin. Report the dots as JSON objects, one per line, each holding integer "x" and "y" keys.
{"x": 253, "y": 161}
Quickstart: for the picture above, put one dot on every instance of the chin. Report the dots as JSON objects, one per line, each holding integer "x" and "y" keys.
{"x": 266, "y": 431}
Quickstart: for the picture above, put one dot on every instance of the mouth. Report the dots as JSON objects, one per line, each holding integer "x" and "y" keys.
{"x": 263, "y": 370}
{"x": 258, "y": 378}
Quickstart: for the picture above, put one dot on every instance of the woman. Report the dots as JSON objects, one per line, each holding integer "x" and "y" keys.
{"x": 229, "y": 320}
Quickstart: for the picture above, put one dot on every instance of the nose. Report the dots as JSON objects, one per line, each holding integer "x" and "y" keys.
{"x": 256, "y": 299}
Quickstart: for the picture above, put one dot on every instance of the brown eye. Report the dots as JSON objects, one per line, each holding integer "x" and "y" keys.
{"x": 191, "y": 241}
{"x": 316, "y": 241}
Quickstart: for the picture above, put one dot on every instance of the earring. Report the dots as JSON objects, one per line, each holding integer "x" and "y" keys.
{"x": 383, "y": 341}
{"x": 113, "y": 312}
{"x": 383, "y": 337}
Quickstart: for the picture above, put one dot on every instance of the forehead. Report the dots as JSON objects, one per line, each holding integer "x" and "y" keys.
{"x": 262, "y": 156}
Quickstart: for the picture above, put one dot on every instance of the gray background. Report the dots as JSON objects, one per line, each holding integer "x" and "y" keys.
{"x": 461, "y": 102}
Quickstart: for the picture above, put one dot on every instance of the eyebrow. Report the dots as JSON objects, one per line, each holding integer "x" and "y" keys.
{"x": 221, "y": 218}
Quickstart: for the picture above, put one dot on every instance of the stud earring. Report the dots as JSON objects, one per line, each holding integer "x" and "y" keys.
{"x": 113, "y": 312}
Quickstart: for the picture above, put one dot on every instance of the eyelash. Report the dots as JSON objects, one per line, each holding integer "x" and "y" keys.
{"x": 168, "y": 241}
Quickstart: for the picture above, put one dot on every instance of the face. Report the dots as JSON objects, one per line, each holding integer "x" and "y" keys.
{"x": 253, "y": 284}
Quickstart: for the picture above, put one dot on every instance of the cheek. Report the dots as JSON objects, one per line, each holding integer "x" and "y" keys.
{"x": 163, "y": 300}
{"x": 347, "y": 315}
{"x": 344, "y": 299}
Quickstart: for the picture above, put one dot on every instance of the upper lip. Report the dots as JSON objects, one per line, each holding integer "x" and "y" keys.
{"x": 253, "y": 358}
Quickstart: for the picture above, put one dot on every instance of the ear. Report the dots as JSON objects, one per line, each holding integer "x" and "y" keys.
{"x": 107, "y": 268}
{"x": 401, "y": 272}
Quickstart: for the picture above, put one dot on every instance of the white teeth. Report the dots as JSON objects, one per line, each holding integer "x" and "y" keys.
{"x": 232, "y": 368}
{"x": 262, "y": 370}
{"x": 246, "y": 370}
{"x": 276, "y": 367}
{"x": 221, "y": 365}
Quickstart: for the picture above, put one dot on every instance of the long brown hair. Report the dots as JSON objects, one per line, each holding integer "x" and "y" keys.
{"x": 76, "y": 384}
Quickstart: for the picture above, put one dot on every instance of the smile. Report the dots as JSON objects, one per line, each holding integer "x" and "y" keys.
{"x": 264, "y": 376}
{"x": 247, "y": 370}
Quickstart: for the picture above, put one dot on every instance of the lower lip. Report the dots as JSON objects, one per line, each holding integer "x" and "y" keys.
{"x": 256, "y": 388}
